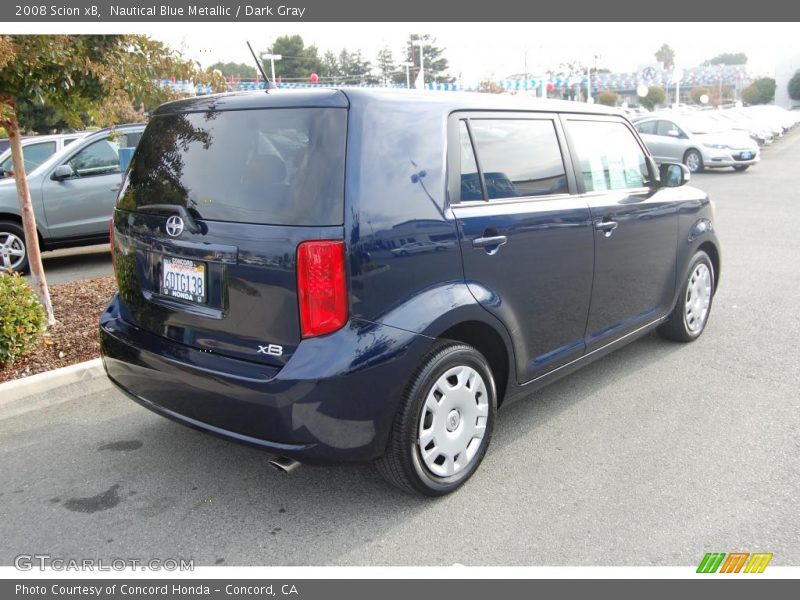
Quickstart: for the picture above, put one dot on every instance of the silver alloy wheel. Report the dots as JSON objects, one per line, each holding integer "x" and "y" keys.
{"x": 698, "y": 298}
{"x": 693, "y": 161}
{"x": 453, "y": 421}
{"x": 12, "y": 250}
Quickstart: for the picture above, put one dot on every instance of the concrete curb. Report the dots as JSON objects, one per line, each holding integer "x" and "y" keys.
{"x": 52, "y": 387}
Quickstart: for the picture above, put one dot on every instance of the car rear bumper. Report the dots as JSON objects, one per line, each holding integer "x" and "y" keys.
{"x": 333, "y": 401}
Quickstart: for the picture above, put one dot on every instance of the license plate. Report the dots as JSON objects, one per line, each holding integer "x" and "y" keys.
{"x": 746, "y": 155}
{"x": 184, "y": 279}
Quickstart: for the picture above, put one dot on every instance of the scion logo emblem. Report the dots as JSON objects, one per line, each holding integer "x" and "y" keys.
{"x": 174, "y": 226}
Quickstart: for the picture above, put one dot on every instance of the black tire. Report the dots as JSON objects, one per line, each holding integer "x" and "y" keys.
{"x": 15, "y": 229}
{"x": 698, "y": 164}
{"x": 402, "y": 464}
{"x": 741, "y": 167}
{"x": 678, "y": 328}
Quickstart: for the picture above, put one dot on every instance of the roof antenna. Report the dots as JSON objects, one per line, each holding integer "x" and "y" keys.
{"x": 268, "y": 84}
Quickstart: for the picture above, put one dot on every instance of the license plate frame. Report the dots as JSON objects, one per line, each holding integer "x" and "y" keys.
{"x": 184, "y": 279}
{"x": 746, "y": 155}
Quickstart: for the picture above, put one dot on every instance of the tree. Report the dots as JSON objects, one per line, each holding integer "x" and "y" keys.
{"x": 435, "y": 65}
{"x": 385, "y": 64}
{"x": 728, "y": 58}
{"x": 655, "y": 96}
{"x": 298, "y": 61}
{"x": 761, "y": 91}
{"x": 85, "y": 78}
{"x": 698, "y": 91}
{"x": 608, "y": 98}
{"x": 352, "y": 66}
{"x": 234, "y": 69}
{"x": 330, "y": 66}
{"x": 794, "y": 86}
{"x": 666, "y": 55}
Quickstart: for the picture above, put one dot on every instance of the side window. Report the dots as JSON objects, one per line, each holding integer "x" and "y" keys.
{"x": 519, "y": 157}
{"x": 470, "y": 180}
{"x": 36, "y": 154}
{"x": 99, "y": 158}
{"x": 609, "y": 155}
{"x": 669, "y": 129}
{"x": 648, "y": 127}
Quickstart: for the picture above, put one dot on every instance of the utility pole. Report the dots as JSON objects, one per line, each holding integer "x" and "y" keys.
{"x": 408, "y": 66}
{"x": 272, "y": 58}
{"x": 421, "y": 43}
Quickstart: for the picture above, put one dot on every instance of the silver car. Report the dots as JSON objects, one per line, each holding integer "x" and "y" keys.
{"x": 696, "y": 141}
{"x": 37, "y": 149}
{"x": 73, "y": 194}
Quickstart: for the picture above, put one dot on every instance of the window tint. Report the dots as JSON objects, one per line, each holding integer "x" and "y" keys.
{"x": 609, "y": 155}
{"x": 99, "y": 158}
{"x": 269, "y": 166}
{"x": 470, "y": 180}
{"x": 648, "y": 127}
{"x": 36, "y": 154}
{"x": 519, "y": 157}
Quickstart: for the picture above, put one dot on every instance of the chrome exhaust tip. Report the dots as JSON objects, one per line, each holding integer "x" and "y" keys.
{"x": 284, "y": 464}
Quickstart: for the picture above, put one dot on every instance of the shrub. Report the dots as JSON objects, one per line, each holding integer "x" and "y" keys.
{"x": 608, "y": 98}
{"x": 654, "y": 97}
{"x": 761, "y": 91}
{"x": 794, "y": 86}
{"x": 22, "y": 318}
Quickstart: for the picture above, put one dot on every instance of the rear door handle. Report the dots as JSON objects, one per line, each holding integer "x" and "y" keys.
{"x": 607, "y": 227}
{"x": 491, "y": 243}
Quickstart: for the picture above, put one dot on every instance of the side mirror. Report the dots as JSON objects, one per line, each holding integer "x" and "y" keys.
{"x": 674, "y": 175}
{"x": 63, "y": 172}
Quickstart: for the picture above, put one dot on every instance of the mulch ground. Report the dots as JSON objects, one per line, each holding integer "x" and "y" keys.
{"x": 74, "y": 338}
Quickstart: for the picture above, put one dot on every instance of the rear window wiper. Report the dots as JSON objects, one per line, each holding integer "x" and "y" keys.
{"x": 191, "y": 224}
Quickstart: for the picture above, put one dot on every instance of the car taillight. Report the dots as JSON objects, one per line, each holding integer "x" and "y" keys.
{"x": 321, "y": 287}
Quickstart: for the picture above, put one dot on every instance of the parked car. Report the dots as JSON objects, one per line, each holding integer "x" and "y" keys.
{"x": 252, "y": 306}
{"x": 73, "y": 194}
{"x": 696, "y": 141}
{"x": 418, "y": 247}
{"x": 736, "y": 121}
{"x": 36, "y": 150}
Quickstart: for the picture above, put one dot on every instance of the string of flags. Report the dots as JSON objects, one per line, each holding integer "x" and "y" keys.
{"x": 617, "y": 82}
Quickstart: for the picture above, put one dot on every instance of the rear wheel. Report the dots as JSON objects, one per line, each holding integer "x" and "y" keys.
{"x": 13, "y": 251}
{"x": 741, "y": 167}
{"x": 690, "y": 315}
{"x": 444, "y": 423}
{"x": 693, "y": 161}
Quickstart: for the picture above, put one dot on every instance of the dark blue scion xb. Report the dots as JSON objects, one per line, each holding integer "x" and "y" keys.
{"x": 361, "y": 275}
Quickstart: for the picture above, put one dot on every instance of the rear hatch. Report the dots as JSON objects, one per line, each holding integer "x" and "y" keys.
{"x": 213, "y": 208}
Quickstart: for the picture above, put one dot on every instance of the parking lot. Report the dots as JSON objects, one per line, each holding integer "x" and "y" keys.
{"x": 653, "y": 455}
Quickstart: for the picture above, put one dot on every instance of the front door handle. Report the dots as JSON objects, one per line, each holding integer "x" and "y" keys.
{"x": 491, "y": 243}
{"x": 607, "y": 227}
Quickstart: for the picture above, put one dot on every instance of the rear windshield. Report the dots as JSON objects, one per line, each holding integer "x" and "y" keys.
{"x": 270, "y": 166}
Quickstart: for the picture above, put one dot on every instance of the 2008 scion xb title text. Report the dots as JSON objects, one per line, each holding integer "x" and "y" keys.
{"x": 160, "y": 10}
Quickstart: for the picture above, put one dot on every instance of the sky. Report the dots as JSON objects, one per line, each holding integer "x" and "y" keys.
{"x": 476, "y": 51}
{"x": 494, "y": 50}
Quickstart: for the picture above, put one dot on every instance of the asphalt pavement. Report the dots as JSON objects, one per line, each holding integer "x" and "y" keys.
{"x": 73, "y": 264}
{"x": 654, "y": 455}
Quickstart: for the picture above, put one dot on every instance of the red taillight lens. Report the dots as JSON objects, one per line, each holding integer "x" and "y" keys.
{"x": 321, "y": 287}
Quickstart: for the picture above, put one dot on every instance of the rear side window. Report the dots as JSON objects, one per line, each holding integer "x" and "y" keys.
{"x": 519, "y": 157}
{"x": 609, "y": 155}
{"x": 648, "y": 127}
{"x": 270, "y": 166}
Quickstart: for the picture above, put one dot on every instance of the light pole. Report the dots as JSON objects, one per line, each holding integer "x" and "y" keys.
{"x": 677, "y": 74}
{"x": 408, "y": 66}
{"x": 272, "y": 58}
{"x": 421, "y": 43}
